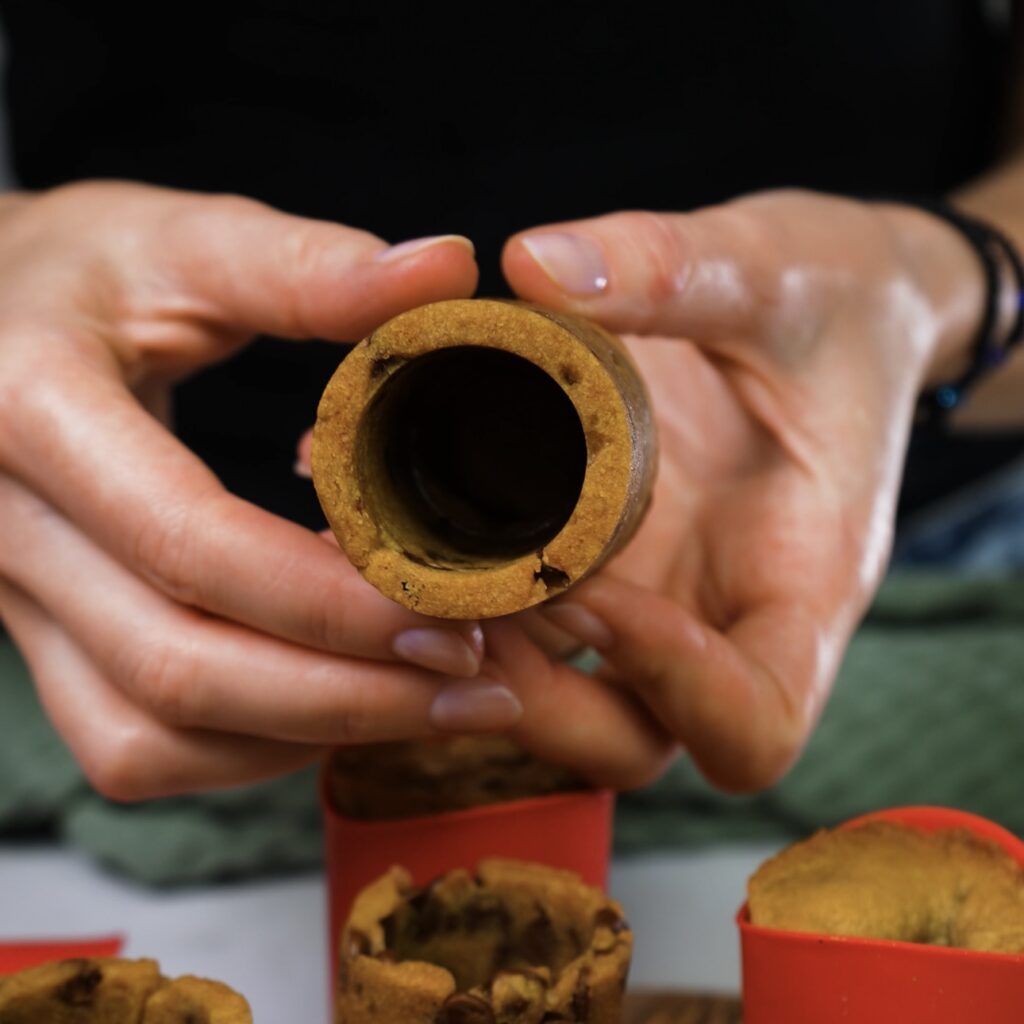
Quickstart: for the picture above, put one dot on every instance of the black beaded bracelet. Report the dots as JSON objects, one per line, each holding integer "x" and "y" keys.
{"x": 994, "y": 250}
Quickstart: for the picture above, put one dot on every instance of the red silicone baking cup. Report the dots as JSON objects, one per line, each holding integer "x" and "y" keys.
{"x": 566, "y": 830}
{"x": 804, "y": 978}
{"x": 16, "y": 955}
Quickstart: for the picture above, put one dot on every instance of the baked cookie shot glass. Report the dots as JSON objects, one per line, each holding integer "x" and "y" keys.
{"x": 908, "y": 915}
{"x": 437, "y": 805}
{"x": 512, "y": 943}
{"x": 110, "y": 990}
{"x": 475, "y": 457}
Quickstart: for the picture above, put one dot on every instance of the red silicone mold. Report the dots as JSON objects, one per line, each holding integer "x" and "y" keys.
{"x": 802, "y": 978}
{"x": 20, "y": 954}
{"x": 566, "y": 830}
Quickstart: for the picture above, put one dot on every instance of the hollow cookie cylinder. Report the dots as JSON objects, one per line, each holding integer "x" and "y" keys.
{"x": 475, "y": 457}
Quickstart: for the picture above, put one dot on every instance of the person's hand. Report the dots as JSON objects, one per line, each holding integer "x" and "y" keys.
{"x": 784, "y": 338}
{"x": 180, "y": 637}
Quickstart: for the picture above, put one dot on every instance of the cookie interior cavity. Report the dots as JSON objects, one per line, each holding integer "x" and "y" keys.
{"x": 518, "y": 943}
{"x": 471, "y": 455}
{"x": 476, "y": 932}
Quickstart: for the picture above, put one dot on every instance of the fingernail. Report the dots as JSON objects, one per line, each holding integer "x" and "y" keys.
{"x": 574, "y": 263}
{"x": 579, "y": 622}
{"x": 473, "y": 634}
{"x": 475, "y": 705}
{"x": 302, "y": 469}
{"x": 416, "y": 245}
{"x": 441, "y": 650}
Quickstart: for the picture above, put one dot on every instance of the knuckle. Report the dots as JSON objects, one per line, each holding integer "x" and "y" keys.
{"x": 81, "y": 202}
{"x": 338, "y": 623}
{"x": 194, "y": 210}
{"x": 655, "y": 244}
{"x": 196, "y": 216}
{"x": 29, "y": 390}
{"x": 163, "y": 548}
{"x": 324, "y": 627}
{"x": 351, "y": 728}
{"x": 116, "y": 764}
{"x": 352, "y": 725}
{"x": 302, "y": 248}
{"x": 303, "y": 263}
{"x": 11, "y": 399}
{"x": 665, "y": 255}
{"x": 161, "y": 675}
{"x": 235, "y": 204}
{"x": 758, "y": 245}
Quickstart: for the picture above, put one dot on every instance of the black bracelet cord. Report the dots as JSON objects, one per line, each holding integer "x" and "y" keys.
{"x": 994, "y": 251}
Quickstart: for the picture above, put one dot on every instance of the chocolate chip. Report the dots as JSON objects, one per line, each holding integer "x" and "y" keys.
{"x": 485, "y": 911}
{"x": 428, "y": 917}
{"x": 554, "y": 579}
{"x": 80, "y": 988}
{"x": 389, "y": 926}
{"x": 421, "y": 897}
{"x": 428, "y": 921}
{"x": 383, "y": 365}
{"x": 580, "y": 1005}
{"x": 463, "y": 1008}
{"x": 538, "y": 940}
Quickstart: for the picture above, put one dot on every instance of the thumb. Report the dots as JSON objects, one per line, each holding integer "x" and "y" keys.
{"x": 252, "y": 267}
{"x": 694, "y": 275}
{"x": 742, "y": 700}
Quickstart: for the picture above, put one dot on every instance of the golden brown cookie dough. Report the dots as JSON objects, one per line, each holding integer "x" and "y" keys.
{"x": 191, "y": 1000}
{"x": 474, "y": 457}
{"x": 882, "y": 880}
{"x": 108, "y": 990}
{"x": 518, "y": 943}
{"x": 101, "y": 990}
{"x": 400, "y": 780}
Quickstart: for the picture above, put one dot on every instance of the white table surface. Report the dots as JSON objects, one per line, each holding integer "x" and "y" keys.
{"x": 267, "y": 939}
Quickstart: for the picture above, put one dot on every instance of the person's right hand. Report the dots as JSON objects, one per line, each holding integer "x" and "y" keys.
{"x": 180, "y": 637}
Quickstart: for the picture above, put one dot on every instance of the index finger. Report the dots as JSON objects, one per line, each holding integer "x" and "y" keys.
{"x": 88, "y": 447}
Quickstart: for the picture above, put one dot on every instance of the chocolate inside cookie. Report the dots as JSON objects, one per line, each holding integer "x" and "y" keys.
{"x": 516, "y": 943}
{"x": 475, "y": 932}
{"x": 109, "y": 990}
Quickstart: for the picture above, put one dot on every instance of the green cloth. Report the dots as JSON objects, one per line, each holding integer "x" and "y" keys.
{"x": 929, "y": 708}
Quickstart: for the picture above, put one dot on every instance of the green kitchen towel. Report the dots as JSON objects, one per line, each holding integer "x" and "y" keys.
{"x": 928, "y": 708}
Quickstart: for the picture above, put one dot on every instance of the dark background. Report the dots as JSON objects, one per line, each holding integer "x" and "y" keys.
{"x": 412, "y": 120}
